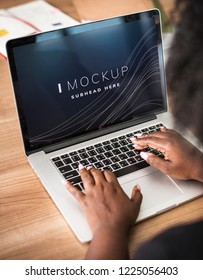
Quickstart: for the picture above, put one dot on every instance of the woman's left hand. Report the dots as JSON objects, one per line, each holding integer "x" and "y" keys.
{"x": 104, "y": 203}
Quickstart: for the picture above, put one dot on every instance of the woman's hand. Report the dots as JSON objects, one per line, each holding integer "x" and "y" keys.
{"x": 181, "y": 159}
{"x": 104, "y": 203}
{"x": 109, "y": 212}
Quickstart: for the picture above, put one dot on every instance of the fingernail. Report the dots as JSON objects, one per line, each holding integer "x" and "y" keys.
{"x": 138, "y": 187}
{"x": 63, "y": 181}
{"x": 89, "y": 167}
{"x": 144, "y": 155}
{"x": 132, "y": 138}
{"x": 135, "y": 146}
{"x": 138, "y": 134}
{"x": 80, "y": 166}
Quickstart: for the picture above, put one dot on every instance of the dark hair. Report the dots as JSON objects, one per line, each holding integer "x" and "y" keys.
{"x": 184, "y": 69}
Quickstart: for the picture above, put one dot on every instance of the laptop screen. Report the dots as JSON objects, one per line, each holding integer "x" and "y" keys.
{"x": 86, "y": 78}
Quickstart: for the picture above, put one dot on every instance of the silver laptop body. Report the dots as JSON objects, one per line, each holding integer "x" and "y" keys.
{"x": 83, "y": 86}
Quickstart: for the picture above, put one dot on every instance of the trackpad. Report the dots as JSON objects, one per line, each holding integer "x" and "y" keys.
{"x": 156, "y": 189}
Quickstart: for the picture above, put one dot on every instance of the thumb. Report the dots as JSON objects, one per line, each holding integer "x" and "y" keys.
{"x": 136, "y": 195}
{"x": 157, "y": 162}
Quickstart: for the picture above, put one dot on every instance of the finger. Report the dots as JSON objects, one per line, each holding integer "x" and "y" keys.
{"x": 87, "y": 179}
{"x": 98, "y": 176}
{"x": 168, "y": 130}
{"x": 150, "y": 141}
{"x": 164, "y": 129}
{"x": 156, "y": 133}
{"x": 157, "y": 162}
{"x": 75, "y": 192}
{"x": 164, "y": 132}
{"x": 136, "y": 195}
{"x": 112, "y": 180}
{"x": 110, "y": 176}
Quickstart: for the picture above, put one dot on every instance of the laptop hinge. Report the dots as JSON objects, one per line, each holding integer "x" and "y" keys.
{"x": 96, "y": 134}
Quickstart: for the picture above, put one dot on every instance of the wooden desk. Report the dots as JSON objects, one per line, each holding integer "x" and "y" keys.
{"x": 31, "y": 227}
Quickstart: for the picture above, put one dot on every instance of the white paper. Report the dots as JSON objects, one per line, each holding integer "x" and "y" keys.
{"x": 29, "y": 18}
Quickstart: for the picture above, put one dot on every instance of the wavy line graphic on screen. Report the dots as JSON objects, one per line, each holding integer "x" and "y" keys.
{"x": 128, "y": 88}
{"x": 132, "y": 88}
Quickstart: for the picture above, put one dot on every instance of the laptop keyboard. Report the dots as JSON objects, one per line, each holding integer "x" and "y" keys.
{"x": 116, "y": 154}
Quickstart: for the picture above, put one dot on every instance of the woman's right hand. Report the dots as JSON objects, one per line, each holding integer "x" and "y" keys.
{"x": 181, "y": 159}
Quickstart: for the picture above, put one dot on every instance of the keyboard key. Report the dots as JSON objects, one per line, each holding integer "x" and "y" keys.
{"x": 67, "y": 161}
{"x": 116, "y": 152}
{"x": 81, "y": 151}
{"x": 107, "y": 162}
{"x": 65, "y": 168}
{"x": 130, "y": 147}
{"x": 115, "y": 166}
{"x": 129, "y": 141}
{"x": 84, "y": 155}
{"x": 100, "y": 150}
{"x": 108, "y": 154}
{"x": 108, "y": 148}
{"x": 122, "y": 156}
{"x": 139, "y": 158}
{"x": 98, "y": 145}
{"x": 131, "y": 160}
{"x": 106, "y": 143}
{"x": 92, "y": 153}
{"x": 90, "y": 148}
{"x": 75, "y": 180}
{"x": 129, "y": 134}
{"x": 116, "y": 145}
{"x": 131, "y": 168}
{"x": 107, "y": 168}
{"x": 130, "y": 153}
{"x": 123, "y": 142}
{"x": 123, "y": 163}
{"x": 59, "y": 163}
{"x": 75, "y": 165}
{"x": 145, "y": 130}
{"x": 84, "y": 162}
{"x": 55, "y": 159}
{"x": 122, "y": 137}
{"x": 73, "y": 154}
{"x": 100, "y": 157}
{"x": 98, "y": 165}
{"x": 138, "y": 132}
{"x": 92, "y": 159}
{"x": 70, "y": 174}
{"x": 76, "y": 158}
{"x": 115, "y": 159}
{"x": 64, "y": 156}
{"x": 124, "y": 149}
{"x": 160, "y": 125}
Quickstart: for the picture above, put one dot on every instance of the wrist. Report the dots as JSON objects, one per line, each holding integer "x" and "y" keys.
{"x": 108, "y": 243}
{"x": 112, "y": 230}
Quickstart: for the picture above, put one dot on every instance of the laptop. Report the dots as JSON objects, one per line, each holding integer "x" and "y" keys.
{"x": 81, "y": 93}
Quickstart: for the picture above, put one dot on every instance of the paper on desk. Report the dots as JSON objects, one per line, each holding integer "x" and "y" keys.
{"x": 29, "y": 18}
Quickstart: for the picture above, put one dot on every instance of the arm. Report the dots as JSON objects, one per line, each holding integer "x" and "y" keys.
{"x": 182, "y": 159}
{"x": 109, "y": 212}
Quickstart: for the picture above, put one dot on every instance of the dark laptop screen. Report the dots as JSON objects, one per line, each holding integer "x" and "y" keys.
{"x": 86, "y": 78}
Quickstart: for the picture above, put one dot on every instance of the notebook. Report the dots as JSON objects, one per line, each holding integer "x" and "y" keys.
{"x": 81, "y": 92}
